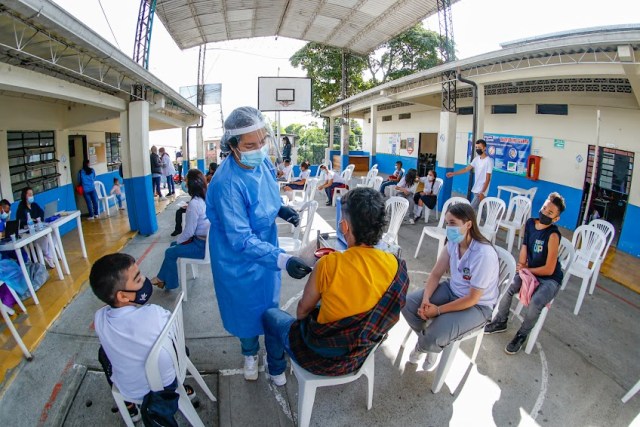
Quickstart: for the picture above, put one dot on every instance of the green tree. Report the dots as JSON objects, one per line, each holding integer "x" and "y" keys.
{"x": 415, "y": 49}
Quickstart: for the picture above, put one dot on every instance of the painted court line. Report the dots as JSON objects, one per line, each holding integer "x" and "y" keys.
{"x": 146, "y": 252}
{"x": 54, "y": 394}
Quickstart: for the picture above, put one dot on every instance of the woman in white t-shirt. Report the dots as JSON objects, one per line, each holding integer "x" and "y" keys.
{"x": 299, "y": 183}
{"x": 462, "y": 303}
{"x": 406, "y": 188}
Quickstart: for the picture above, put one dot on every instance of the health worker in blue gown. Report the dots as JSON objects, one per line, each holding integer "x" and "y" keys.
{"x": 243, "y": 202}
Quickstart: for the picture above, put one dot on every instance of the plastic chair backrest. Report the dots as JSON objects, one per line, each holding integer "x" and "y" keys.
{"x": 588, "y": 242}
{"x": 101, "y": 191}
{"x": 289, "y": 175}
{"x": 207, "y": 255}
{"x": 309, "y": 208}
{"x": 440, "y": 183}
{"x": 371, "y": 176}
{"x": 506, "y": 273}
{"x": 566, "y": 254}
{"x": 609, "y": 233}
{"x": 494, "y": 208}
{"x": 171, "y": 339}
{"x": 375, "y": 166}
{"x": 519, "y": 208}
{"x": 445, "y": 207}
{"x": 351, "y": 167}
{"x": 398, "y": 207}
{"x": 532, "y": 193}
{"x": 310, "y": 187}
{"x": 346, "y": 174}
{"x": 377, "y": 183}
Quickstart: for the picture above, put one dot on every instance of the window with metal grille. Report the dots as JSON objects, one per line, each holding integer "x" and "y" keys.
{"x": 404, "y": 116}
{"x": 554, "y": 109}
{"x": 387, "y": 118}
{"x": 465, "y": 111}
{"x": 32, "y": 161}
{"x": 504, "y": 109}
{"x": 113, "y": 142}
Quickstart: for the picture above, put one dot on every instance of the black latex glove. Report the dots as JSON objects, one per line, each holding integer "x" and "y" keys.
{"x": 297, "y": 268}
{"x": 290, "y": 215}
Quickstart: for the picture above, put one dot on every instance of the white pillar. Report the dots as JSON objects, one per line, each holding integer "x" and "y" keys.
{"x": 344, "y": 145}
{"x": 480, "y": 113}
{"x": 445, "y": 156}
{"x": 200, "y": 151}
{"x": 185, "y": 158}
{"x": 373, "y": 127}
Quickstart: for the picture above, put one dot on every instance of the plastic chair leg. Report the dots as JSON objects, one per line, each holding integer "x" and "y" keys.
{"x": 194, "y": 274}
{"x": 476, "y": 347}
{"x": 306, "y": 397}
{"x": 15, "y": 334}
{"x": 446, "y": 360}
{"x": 583, "y": 291}
{"x": 199, "y": 380}
{"x": 419, "y": 244}
{"x": 370, "y": 374}
{"x": 440, "y": 246}
{"x": 533, "y": 336}
{"x": 187, "y": 409}
{"x": 406, "y": 338}
{"x": 518, "y": 308}
{"x": 182, "y": 274}
{"x": 594, "y": 278}
{"x": 631, "y": 392}
{"x": 122, "y": 408}
{"x": 511, "y": 236}
{"x": 565, "y": 279}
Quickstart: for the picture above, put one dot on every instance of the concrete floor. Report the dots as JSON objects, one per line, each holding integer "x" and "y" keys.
{"x": 576, "y": 375}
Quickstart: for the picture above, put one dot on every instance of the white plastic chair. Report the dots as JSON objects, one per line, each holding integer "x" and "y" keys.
{"x": 609, "y": 233}
{"x": 308, "y": 194}
{"x": 182, "y": 267}
{"x": 631, "y": 392}
{"x": 172, "y": 341}
{"x": 566, "y": 255}
{"x": 506, "y": 273}
{"x": 492, "y": 209}
{"x": 8, "y": 311}
{"x": 104, "y": 198}
{"x": 293, "y": 245}
{"x": 377, "y": 183}
{"x": 439, "y": 232}
{"x": 369, "y": 180}
{"x": 517, "y": 215}
{"x": 286, "y": 179}
{"x": 530, "y": 195}
{"x": 346, "y": 177}
{"x": 398, "y": 207}
{"x": 427, "y": 211}
{"x": 588, "y": 242}
{"x": 308, "y": 383}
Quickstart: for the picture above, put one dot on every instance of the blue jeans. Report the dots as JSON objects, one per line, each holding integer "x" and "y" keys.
{"x": 329, "y": 190}
{"x": 250, "y": 346}
{"x": 155, "y": 184}
{"x": 91, "y": 198}
{"x": 543, "y": 295}
{"x": 170, "y": 185}
{"x": 276, "y": 338}
{"x": 387, "y": 184}
{"x": 169, "y": 270}
{"x": 119, "y": 200}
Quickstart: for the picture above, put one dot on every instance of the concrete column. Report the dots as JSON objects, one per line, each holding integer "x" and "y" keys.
{"x": 332, "y": 123}
{"x": 480, "y": 129}
{"x": 344, "y": 145}
{"x": 373, "y": 127}
{"x": 137, "y": 168}
{"x": 200, "y": 151}
{"x": 445, "y": 156}
{"x": 6, "y": 190}
{"x": 185, "y": 156}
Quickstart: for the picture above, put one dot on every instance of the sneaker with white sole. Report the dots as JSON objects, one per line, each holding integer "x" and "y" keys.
{"x": 416, "y": 356}
{"x": 134, "y": 413}
{"x": 251, "y": 368}
{"x": 411, "y": 221}
{"x": 431, "y": 361}
{"x": 279, "y": 380}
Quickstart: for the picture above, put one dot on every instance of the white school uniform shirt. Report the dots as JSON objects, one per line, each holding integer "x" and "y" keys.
{"x": 481, "y": 167}
{"x": 195, "y": 220}
{"x": 304, "y": 175}
{"x": 127, "y": 335}
{"x": 336, "y": 178}
{"x": 403, "y": 183}
{"x": 430, "y": 186}
{"x": 477, "y": 269}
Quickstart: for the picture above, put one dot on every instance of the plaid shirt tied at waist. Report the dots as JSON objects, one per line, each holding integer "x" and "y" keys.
{"x": 342, "y": 346}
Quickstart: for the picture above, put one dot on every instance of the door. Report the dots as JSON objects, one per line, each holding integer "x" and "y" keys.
{"x": 611, "y": 186}
{"x": 77, "y": 154}
{"x": 428, "y": 147}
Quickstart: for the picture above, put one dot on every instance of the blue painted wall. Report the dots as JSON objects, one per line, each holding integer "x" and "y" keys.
{"x": 387, "y": 162}
{"x": 142, "y": 212}
{"x": 630, "y": 235}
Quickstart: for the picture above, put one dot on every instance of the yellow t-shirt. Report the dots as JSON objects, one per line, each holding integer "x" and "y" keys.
{"x": 353, "y": 281}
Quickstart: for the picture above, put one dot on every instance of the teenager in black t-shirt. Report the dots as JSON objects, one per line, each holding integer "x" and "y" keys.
{"x": 539, "y": 255}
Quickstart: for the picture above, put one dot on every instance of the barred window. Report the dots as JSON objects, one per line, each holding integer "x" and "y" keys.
{"x": 32, "y": 161}
{"x": 113, "y": 142}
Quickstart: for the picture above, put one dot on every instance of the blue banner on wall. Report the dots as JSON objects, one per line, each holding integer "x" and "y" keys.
{"x": 509, "y": 152}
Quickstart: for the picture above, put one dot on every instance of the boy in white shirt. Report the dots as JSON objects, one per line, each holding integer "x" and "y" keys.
{"x": 127, "y": 330}
{"x": 482, "y": 166}
{"x": 285, "y": 171}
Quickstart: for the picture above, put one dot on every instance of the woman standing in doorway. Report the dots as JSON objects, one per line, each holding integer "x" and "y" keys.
{"x": 87, "y": 178}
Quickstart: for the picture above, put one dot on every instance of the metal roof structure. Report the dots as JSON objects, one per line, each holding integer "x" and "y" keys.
{"x": 41, "y": 36}
{"x": 566, "y": 56}
{"x": 356, "y": 25}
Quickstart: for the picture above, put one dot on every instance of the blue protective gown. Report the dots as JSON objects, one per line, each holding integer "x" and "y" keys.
{"x": 242, "y": 206}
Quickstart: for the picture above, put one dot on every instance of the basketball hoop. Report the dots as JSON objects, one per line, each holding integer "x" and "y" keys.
{"x": 285, "y": 103}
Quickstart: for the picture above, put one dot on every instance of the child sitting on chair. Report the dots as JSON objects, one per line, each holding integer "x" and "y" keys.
{"x": 127, "y": 329}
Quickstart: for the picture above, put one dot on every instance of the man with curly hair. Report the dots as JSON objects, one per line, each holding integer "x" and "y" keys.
{"x": 361, "y": 291}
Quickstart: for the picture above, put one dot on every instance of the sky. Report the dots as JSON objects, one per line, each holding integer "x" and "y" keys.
{"x": 479, "y": 27}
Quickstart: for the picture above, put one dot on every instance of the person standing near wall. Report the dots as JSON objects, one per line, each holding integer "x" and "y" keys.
{"x": 156, "y": 172}
{"x": 179, "y": 162}
{"x": 168, "y": 171}
{"x": 87, "y": 178}
{"x": 286, "y": 148}
{"x": 482, "y": 166}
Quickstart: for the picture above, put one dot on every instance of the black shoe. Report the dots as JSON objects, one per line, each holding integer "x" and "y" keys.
{"x": 328, "y": 204}
{"x": 495, "y": 327}
{"x": 516, "y": 344}
{"x": 175, "y": 233}
{"x": 133, "y": 412}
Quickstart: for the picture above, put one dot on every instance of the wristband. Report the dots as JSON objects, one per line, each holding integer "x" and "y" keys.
{"x": 438, "y": 309}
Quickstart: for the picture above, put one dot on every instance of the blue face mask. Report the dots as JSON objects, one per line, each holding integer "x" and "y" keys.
{"x": 183, "y": 186}
{"x": 144, "y": 293}
{"x": 4, "y": 215}
{"x": 454, "y": 235}
{"x": 254, "y": 158}
{"x": 30, "y": 200}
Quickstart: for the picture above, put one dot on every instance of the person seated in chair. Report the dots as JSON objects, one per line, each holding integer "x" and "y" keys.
{"x": 285, "y": 171}
{"x": 462, "y": 303}
{"x": 538, "y": 258}
{"x": 299, "y": 183}
{"x": 428, "y": 196}
{"x": 394, "y": 178}
{"x": 333, "y": 181}
{"x": 361, "y": 291}
{"x": 128, "y": 328}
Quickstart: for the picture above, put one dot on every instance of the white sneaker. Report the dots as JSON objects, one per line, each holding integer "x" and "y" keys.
{"x": 251, "y": 368}
{"x": 90, "y": 218}
{"x": 415, "y": 356}
{"x": 279, "y": 380}
{"x": 162, "y": 198}
{"x": 411, "y": 221}
{"x": 431, "y": 361}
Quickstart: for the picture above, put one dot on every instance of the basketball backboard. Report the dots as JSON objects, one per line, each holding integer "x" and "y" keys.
{"x": 284, "y": 94}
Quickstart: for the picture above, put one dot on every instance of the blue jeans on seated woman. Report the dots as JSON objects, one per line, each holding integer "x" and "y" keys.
{"x": 169, "y": 271}
{"x": 276, "y": 324}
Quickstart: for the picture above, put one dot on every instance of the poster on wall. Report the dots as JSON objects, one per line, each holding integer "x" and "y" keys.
{"x": 393, "y": 145}
{"x": 509, "y": 152}
{"x": 410, "y": 145}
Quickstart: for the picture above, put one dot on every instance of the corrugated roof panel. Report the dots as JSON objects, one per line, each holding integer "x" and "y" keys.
{"x": 375, "y": 7}
{"x": 335, "y": 11}
{"x": 346, "y": 3}
{"x": 240, "y": 15}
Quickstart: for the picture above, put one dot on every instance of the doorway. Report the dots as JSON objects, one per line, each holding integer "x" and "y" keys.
{"x": 428, "y": 147}
{"x": 77, "y": 153}
{"x": 611, "y": 186}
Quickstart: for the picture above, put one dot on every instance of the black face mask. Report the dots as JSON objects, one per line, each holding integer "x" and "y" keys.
{"x": 544, "y": 219}
{"x": 479, "y": 151}
{"x": 144, "y": 293}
